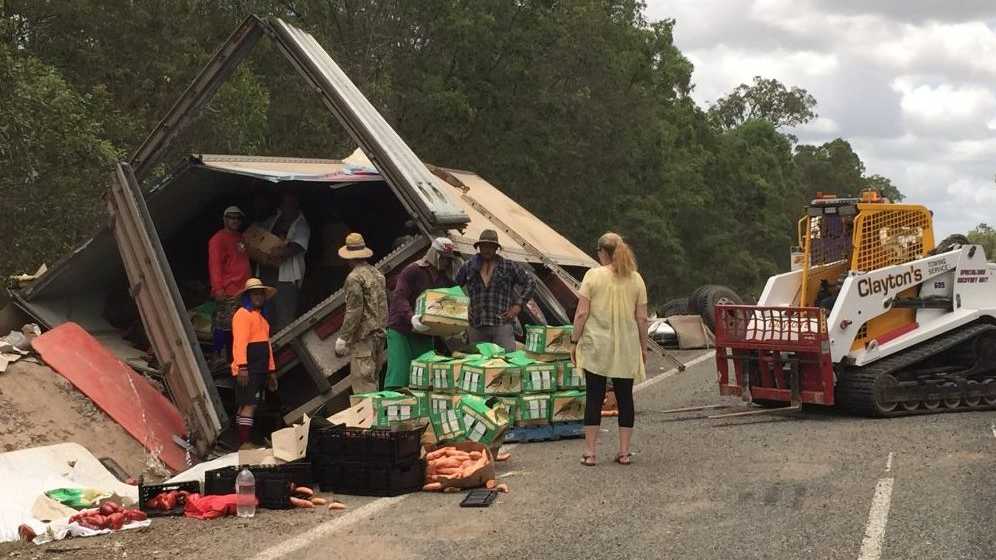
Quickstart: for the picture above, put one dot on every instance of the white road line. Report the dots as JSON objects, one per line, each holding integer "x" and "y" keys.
{"x": 993, "y": 428}
{"x": 292, "y": 545}
{"x": 878, "y": 516}
{"x": 672, "y": 372}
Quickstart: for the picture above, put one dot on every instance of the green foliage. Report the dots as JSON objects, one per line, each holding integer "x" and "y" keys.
{"x": 55, "y": 162}
{"x": 580, "y": 110}
{"x": 984, "y": 235}
{"x": 768, "y": 100}
{"x": 834, "y": 167}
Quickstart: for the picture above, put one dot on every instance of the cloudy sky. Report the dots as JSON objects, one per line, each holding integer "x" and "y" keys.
{"x": 910, "y": 83}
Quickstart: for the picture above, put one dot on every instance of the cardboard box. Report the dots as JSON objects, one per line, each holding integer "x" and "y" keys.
{"x": 567, "y": 406}
{"x": 568, "y": 377}
{"x": 511, "y": 406}
{"x": 544, "y": 339}
{"x": 533, "y": 410}
{"x": 260, "y": 245}
{"x": 360, "y": 415}
{"x": 423, "y": 408}
{"x": 479, "y": 477}
{"x": 444, "y": 311}
{"x": 484, "y": 424}
{"x": 419, "y": 376}
{"x": 441, "y": 402}
{"x": 444, "y": 375}
{"x": 291, "y": 444}
{"x": 539, "y": 377}
{"x": 448, "y": 425}
{"x": 492, "y": 376}
{"x": 388, "y": 407}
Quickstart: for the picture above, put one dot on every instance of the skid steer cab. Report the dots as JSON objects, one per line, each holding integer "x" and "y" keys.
{"x": 873, "y": 317}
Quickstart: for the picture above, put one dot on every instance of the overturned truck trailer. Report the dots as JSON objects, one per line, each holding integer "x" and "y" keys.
{"x": 135, "y": 282}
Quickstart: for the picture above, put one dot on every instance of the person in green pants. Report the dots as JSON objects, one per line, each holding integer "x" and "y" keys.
{"x": 405, "y": 338}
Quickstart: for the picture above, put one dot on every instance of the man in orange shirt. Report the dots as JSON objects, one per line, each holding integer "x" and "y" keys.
{"x": 252, "y": 356}
{"x": 228, "y": 269}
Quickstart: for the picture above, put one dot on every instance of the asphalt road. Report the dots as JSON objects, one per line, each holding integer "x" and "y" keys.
{"x": 812, "y": 485}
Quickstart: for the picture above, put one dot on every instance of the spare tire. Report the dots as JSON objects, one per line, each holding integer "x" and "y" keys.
{"x": 693, "y": 300}
{"x": 677, "y": 306}
{"x": 708, "y": 297}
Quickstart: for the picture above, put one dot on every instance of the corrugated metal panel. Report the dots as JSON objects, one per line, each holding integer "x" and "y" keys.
{"x": 154, "y": 289}
{"x": 404, "y": 171}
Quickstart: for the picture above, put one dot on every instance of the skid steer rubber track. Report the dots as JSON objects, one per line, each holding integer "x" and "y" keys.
{"x": 860, "y": 389}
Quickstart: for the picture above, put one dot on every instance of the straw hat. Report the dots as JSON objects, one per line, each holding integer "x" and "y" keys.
{"x": 488, "y": 236}
{"x": 355, "y": 248}
{"x": 257, "y": 284}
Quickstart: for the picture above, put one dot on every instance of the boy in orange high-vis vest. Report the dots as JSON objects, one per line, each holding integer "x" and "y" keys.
{"x": 252, "y": 356}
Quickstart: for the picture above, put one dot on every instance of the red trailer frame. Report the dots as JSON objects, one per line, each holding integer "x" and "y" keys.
{"x": 778, "y": 354}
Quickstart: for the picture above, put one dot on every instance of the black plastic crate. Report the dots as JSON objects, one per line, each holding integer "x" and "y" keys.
{"x": 372, "y": 479}
{"x": 222, "y": 481}
{"x": 273, "y": 483}
{"x": 339, "y": 443}
{"x": 147, "y": 492}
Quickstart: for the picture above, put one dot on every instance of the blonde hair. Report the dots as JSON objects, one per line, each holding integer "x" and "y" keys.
{"x": 623, "y": 260}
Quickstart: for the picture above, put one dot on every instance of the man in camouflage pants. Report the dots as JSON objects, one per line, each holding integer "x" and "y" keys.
{"x": 362, "y": 331}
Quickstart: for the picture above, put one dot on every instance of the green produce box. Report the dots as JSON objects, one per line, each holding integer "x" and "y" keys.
{"x": 388, "y": 407}
{"x": 485, "y": 423}
{"x": 533, "y": 410}
{"x": 445, "y": 375}
{"x": 448, "y": 426}
{"x": 567, "y": 406}
{"x": 537, "y": 377}
{"x": 440, "y": 402}
{"x": 424, "y": 404}
{"x": 511, "y": 405}
{"x": 419, "y": 373}
{"x": 544, "y": 339}
{"x": 568, "y": 377}
{"x": 444, "y": 311}
{"x": 492, "y": 376}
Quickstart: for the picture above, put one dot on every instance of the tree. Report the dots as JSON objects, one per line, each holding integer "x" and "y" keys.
{"x": 984, "y": 235}
{"x": 834, "y": 167}
{"x": 55, "y": 162}
{"x": 766, "y": 99}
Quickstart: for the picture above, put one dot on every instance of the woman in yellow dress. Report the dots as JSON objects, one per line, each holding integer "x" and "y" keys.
{"x": 610, "y": 335}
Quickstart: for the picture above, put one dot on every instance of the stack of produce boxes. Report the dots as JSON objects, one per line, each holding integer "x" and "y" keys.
{"x": 478, "y": 397}
{"x": 549, "y": 349}
{"x": 455, "y": 397}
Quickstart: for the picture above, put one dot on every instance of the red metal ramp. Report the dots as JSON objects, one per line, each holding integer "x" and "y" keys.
{"x": 114, "y": 387}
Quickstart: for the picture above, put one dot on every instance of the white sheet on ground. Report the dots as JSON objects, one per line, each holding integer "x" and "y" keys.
{"x": 27, "y": 473}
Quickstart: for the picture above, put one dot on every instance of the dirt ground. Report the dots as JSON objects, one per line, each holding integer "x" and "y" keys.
{"x": 40, "y": 407}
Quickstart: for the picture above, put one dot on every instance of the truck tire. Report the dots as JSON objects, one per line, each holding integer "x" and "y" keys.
{"x": 693, "y": 300}
{"x": 949, "y": 243}
{"x": 677, "y": 306}
{"x": 709, "y": 297}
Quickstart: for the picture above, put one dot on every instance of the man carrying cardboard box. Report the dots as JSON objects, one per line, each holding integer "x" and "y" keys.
{"x": 287, "y": 271}
{"x": 498, "y": 289}
{"x": 362, "y": 331}
{"x": 406, "y": 338}
{"x": 228, "y": 269}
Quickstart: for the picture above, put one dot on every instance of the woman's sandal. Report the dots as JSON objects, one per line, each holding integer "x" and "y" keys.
{"x": 588, "y": 460}
{"x": 624, "y": 459}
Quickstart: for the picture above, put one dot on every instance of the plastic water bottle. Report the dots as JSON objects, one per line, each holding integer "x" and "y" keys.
{"x": 245, "y": 494}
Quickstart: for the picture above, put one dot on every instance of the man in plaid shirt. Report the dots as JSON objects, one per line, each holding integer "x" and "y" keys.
{"x": 498, "y": 289}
